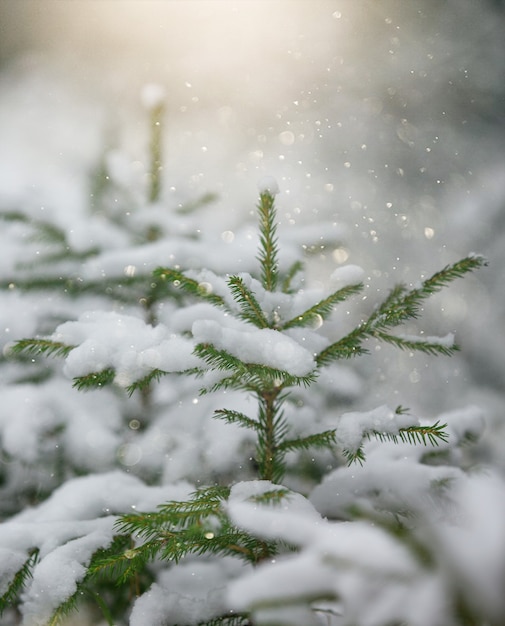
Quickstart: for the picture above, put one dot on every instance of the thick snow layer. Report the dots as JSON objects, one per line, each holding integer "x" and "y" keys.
{"x": 262, "y": 346}
{"x": 336, "y": 561}
{"x": 10, "y": 562}
{"x": 126, "y": 343}
{"x": 474, "y": 546}
{"x": 95, "y": 495}
{"x": 347, "y": 275}
{"x": 395, "y": 486}
{"x": 350, "y": 561}
{"x": 56, "y": 576}
{"x": 89, "y": 434}
{"x": 188, "y": 593}
{"x": 291, "y": 580}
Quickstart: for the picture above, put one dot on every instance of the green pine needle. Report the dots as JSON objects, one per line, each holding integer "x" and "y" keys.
{"x": 428, "y": 347}
{"x": 18, "y": 582}
{"x": 273, "y": 496}
{"x": 235, "y": 619}
{"x": 400, "y": 305}
{"x": 38, "y": 347}
{"x": 414, "y": 435}
{"x": 346, "y": 348}
{"x": 324, "y": 308}
{"x": 144, "y": 383}
{"x": 325, "y": 439}
{"x": 94, "y": 380}
{"x": 198, "y": 526}
{"x": 268, "y": 254}
{"x": 356, "y": 456}
{"x": 219, "y": 359}
{"x": 451, "y": 272}
{"x": 245, "y": 298}
{"x": 403, "y": 304}
{"x": 107, "y": 563}
{"x": 248, "y": 376}
{"x": 288, "y": 279}
{"x": 235, "y": 417}
{"x": 189, "y": 285}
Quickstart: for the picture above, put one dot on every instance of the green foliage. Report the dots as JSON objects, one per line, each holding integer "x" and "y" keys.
{"x": 198, "y": 526}
{"x": 433, "y": 434}
{"x": 92, "y": 586}
{"x": 401, "y": 305}
{"x": 246, "y": 376}
{"x": 228, "y": 620}
{"x": 323, "y": 309}
{"x": 190, "y": 286}
{"x": 18, "y": 582}
{"x": 95, "y": 379}
{"x": 269, "y": 251}
{"x": 201, "y": 526}
{"x": 250, "y": 309}
{"x": 39, "y": 347}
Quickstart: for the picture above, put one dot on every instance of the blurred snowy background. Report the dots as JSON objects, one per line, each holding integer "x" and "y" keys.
{"x": 387, "y": 118}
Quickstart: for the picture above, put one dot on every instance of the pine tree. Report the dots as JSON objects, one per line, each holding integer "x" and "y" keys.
{"x": 257, "y": 337}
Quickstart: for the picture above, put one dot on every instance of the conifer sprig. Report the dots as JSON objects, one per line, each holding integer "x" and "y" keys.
{"x": 324, "y": 308}
{"x": 401, "y": 305}
{"x": 94, "y": 380}
{"x": 290, "y": 275}
{"x": 40, "y": 347}
{"x": 18, "y": 582}
{"x": 270, "y": 436}
{"x": 105, "y": 564}
{"x": 144, "y": 383}
{"x": 123, "y": 289}
{"x": 345, "y": 348}
{"x": 325, "y": 439}
{"x": 197, "y": 526}
{"x": 236, "y": 417}
{"x": 99, "y": 570}
{"x": 432, "y": 434}
{"x": 432, "y": 347}
{"x": 269, "y": 251}
{"x": 231, "y": 619}
{"x": 189, "y": 285}
{"x": 250, "y": 309}
{"x": 247, "y": 376}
